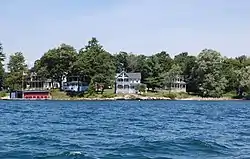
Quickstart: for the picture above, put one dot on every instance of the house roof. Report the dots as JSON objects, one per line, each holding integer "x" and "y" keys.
{"x": 131, "y": 75}
{"x": 134, "y": 75}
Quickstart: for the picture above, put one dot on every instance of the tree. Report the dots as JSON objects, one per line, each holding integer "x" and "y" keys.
{"x": 165, "y": 60}
{"x": 57, "y": 63}
{"x": 96, "y": 64}
{"x": 187, "y": 64}
{"x": 154, "y": 69}
{"x": 244, "y": 80}
{"x": 211, "y": 80}
{"x": 121, "y": 61}
{"x": 174, "y": 72}
{"x": 141, "y": 88}
{"x": 17, "y": 68}
{"x": 2, "y": 72}
{"x": 231, "y": 68}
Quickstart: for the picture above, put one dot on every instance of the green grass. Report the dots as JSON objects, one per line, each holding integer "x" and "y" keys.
{"x": 57, "y": 94}
{"x": 4, "y": 94}
{"x": 60, "y": 95}
{"x": 230, "y": 94}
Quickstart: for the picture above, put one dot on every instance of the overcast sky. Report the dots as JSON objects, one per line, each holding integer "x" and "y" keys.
{"x": 139, "y": 26}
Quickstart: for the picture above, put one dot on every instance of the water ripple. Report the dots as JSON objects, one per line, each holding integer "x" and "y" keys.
{"x": 124, "y": 129}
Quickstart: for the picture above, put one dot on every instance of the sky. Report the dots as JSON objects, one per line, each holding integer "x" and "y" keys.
{"x": 138, "y": 26}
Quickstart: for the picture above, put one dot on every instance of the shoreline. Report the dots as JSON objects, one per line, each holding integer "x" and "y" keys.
{"x": 129, "y": 98}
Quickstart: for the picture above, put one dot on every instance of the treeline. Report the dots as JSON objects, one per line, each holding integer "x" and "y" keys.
{"x": 208, "y": 74}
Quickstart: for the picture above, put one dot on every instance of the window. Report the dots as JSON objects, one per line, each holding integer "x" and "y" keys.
{"x": 126, "y": 86}
{"x": 126, "y": 80}
{"x": 120, "y": 87}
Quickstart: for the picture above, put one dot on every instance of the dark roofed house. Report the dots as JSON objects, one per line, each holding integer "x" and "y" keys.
{"x": 126, "y": 82}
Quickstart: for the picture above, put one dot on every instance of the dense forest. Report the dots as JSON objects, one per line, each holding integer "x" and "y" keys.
{"x": 209, "y": 74}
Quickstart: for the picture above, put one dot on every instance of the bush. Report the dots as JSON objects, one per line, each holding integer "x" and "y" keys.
{"x": 183, "y": 95}
{"x": 170, "y": 95}
{"x": 3, "y": 94}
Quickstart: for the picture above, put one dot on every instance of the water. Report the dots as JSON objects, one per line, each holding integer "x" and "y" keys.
{"x": 124, "y": 129}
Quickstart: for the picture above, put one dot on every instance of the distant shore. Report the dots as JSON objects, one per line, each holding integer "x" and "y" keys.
{"x": 133, "y": 97}
{"x": 150, "y": 98}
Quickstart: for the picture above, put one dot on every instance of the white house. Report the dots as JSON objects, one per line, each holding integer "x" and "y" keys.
{"x": 126, "y": 82}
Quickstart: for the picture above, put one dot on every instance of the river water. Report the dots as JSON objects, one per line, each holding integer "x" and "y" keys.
{"x": 124, "y": 129}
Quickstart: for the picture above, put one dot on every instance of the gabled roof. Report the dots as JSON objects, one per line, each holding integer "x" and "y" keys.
{"x": 130, "y": 75}
{"x": 134, "y": 75}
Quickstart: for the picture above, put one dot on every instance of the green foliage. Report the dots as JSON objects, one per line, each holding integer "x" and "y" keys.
{"x": 95, "y": 63}
{"x": 56, "y": 63}
{"x": 211, "y": 79}
{"x": 244, "y": 76}
{"x": 91, "y": 89}
{"x": 207, "y": 75}
{"x": 141, "y": 88}
{"x": 2, "y": 58}
{"x": 17, "y": 68}
{"x": 3, "y": 94}
{"x": 182, "y": 95}
{"x": 170, "y": 95}
{"x": 169, "y": 76}
{"x": 108, "y": 95}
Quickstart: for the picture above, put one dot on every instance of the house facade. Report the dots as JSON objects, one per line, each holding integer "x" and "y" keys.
{"x": 35, "y": 82}
{"x": 75, "y": 86}
{"x": 125, "y": 83}
{"x": 176, "y": 84}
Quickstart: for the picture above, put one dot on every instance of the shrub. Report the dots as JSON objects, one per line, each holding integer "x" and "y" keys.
{"x": 170, "y": 95}
{"x": 183, "y": 95}
{"x": 3, "y": 94}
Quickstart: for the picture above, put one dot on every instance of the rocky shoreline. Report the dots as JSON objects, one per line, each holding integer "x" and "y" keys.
{"x": 117, "y": 98}
{"x": 134, "y": 97}
{"x": 149, "y": 98}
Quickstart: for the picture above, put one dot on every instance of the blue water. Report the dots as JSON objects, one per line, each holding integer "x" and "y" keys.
{"x": 124, "y": 129}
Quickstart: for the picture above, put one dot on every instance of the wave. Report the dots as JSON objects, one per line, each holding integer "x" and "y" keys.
{"x": 185, "y": 147}
{"x": 65, "y": 155}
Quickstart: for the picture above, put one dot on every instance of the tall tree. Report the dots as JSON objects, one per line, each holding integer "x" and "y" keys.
{"x": 187, "y": 63}
{"x": 230, "y": 69}
{"x": 57, "y": 63}
{"x": 96, "y": 63}
{"x": 174, "y": 72}
{"x": 121, "y": 61}
{"x": 244, "y": 80}
{"x": 211, "y": 80}
{"x": 17, "y": 67}
{"x": 2, "y": 72}
{"x": 154, "y": 69}
{"x": 165, "y": 60}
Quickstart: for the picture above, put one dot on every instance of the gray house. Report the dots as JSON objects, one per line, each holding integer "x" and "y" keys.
{"x": 126, "y": 82}
{"x": 176, "y": 84}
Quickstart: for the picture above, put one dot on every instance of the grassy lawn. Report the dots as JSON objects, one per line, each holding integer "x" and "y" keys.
{"x": 57, "y": 94}
{"x": 4, "y": 94}
{"x": 230, "y": 95}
